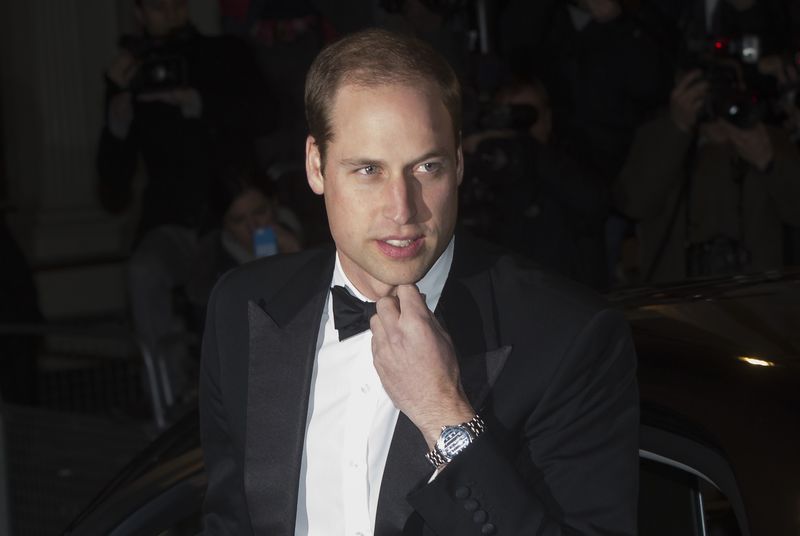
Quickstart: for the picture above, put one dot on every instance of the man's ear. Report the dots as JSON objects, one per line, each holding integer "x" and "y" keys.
{"x": 459, "y": 162}
{"x": 314, "y": 166}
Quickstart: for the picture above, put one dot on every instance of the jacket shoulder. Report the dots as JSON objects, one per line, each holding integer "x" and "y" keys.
{"x": 262, "y": 278}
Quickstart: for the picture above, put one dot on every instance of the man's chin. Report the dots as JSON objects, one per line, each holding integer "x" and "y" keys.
{"x": 394, "y": 280}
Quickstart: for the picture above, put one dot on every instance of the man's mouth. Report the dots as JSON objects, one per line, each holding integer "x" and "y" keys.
{"x": 400, "y": 243}
{"x": 401, "y": 248}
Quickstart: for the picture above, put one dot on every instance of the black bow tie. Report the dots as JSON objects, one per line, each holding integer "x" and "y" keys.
{"x": 350, "y": 315}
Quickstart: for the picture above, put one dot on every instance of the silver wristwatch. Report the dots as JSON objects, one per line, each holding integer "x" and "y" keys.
{"x": 454, "y": 439}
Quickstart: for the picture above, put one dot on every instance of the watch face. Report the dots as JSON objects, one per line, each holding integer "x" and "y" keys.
{"x": 453, "y": 440}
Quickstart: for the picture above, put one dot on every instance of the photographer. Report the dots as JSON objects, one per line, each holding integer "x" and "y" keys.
{"x": 522, "y": 190}
{"x": 173, "y": 98}
{"x": 710, "y": 196}
{"x": 172, "y": 95}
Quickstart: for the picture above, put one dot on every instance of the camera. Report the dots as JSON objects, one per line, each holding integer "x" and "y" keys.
{"x": 162, "y": 65}
{"x": 159, "y": 73}
{"x": 727, "y": 99}
{"x": 746, "y": 48}
{"x": 499, "y": 175}
{"x": 717, "y": 256}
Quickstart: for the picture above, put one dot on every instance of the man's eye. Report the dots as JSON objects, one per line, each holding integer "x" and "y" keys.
{"x": 368, "y": 170}
{"x": 429, "y": 167}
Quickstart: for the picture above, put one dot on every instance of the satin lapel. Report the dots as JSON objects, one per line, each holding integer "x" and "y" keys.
{"x": 282, "y": 348}
{"x": 406, "y": 469}
{"x": 466, "y": 310}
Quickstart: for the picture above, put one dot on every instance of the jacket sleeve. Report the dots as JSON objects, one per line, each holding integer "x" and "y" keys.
{"x": 574, "y": 469}
{"x": 653, "y": 170}
{"x": 116, "y": 162}
{"x": 224, "y": 507}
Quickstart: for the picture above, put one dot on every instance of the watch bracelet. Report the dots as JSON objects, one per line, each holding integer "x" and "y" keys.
{"x": 476, "y": 427}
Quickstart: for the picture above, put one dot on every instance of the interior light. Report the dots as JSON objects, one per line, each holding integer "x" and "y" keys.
{"x": 756, "y": 362}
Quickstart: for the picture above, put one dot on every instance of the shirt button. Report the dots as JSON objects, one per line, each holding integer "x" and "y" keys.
{"x": 365, "y": 388}
{"x": 487, "y": 529}
{"x": 353, "y": 464}
{"x": 359, "y": 534}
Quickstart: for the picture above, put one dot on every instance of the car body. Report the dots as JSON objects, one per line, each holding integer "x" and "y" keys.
{"x": 719, "y": 377}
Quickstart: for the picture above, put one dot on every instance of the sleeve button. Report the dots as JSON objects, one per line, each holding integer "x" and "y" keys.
{"x": 488, "y": 529}
{"x": 479, "y": 516}
{"x": 470, "y": 505}
{"x": 462, "y": 492}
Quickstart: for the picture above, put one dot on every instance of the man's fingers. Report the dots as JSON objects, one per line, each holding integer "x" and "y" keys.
{"x": 697, "y": 92}
{"x": 388, "y": 312}
{"x": 411, "y": 299}
{"x": 378, "y": 331}
{"x": 687, "y": 80}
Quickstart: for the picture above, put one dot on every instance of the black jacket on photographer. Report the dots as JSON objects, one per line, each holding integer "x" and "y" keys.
{"x": 177, "y": 151}
{"x": 702, "y": 211}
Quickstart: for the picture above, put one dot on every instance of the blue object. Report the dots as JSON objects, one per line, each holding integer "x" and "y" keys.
{"x": 264, "y": 242}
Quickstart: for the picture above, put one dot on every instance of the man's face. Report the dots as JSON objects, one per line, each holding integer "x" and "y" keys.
{"x": 390, "y": 182}
{"x": 161, "y": 17}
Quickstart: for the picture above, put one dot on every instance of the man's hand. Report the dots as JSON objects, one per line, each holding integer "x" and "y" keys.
{"x": 687, "y": 99}
{"x": 122, "y": 69}
{"x": 753, "y": 144}
{"x": 416, "y": 362}
{"x": 187, "y": 99}
{"x": 776, "y": 66}
{"x": 120, "y": 106}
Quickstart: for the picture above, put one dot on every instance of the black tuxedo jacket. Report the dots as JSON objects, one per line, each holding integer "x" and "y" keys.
{"x": 550, "y": 368}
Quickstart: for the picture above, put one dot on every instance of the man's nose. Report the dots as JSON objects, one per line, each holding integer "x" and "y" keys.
{"x": 400, "y": 199}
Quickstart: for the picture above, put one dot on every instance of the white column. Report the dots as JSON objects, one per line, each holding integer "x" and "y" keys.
{"x": 52, "y": 59}
{"x": 52, "y": 56}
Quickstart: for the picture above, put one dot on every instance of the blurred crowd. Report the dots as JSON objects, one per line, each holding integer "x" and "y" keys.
{"x": 613, "y": 142}
{"x": 616, "y": 142}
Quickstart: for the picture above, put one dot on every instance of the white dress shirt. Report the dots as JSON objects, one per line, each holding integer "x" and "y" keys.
{"x": 350, "y": 423}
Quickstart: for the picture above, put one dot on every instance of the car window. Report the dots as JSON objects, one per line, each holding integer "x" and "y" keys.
{"x": 719, "y": 514}
{"x": 189, "y": 526}
{"x": 675, "y": 500}
{"x": 669, "y": 501}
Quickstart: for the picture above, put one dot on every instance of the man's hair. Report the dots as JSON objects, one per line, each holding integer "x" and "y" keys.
{"x": 374, "y": 58}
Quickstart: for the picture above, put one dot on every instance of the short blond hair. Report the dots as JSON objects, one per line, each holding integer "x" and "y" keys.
{"x": 373, "y": 58}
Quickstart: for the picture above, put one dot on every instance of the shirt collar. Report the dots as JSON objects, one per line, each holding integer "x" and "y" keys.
{"x": 431, "y": 284}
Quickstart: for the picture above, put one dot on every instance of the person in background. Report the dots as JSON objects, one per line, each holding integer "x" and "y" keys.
{"x": 246, "y": 206}
{"x": 543, "y": 204}
{"x": 710, "y": 197}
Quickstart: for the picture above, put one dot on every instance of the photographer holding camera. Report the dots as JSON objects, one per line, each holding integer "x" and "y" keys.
{"x": 523, "y": 190}
{"x": 710, "y": 184}
{"x": 173, "y": 98}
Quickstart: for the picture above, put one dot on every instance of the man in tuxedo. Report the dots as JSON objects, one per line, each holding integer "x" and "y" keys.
{"x": 413, "y": 381}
